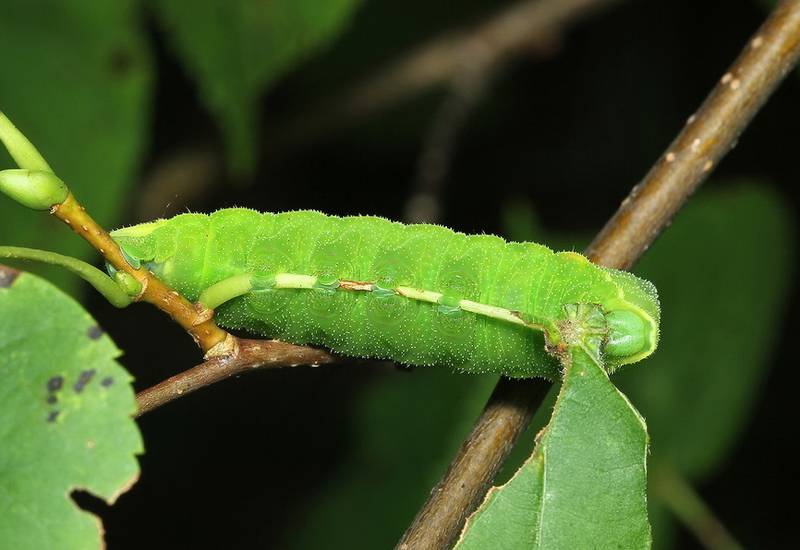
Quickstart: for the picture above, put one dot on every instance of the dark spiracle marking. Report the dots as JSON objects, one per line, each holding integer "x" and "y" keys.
{"x": 55, "y": 383}
{"x": 7, "y": 276}
{"x": 52, "y": 415}
{"x": 106, "y": 382}
{"x": 52, "y": 399}
{"x": 94, "y": 332}
{"x": 120, "y": 62}
{"x": 84, "y": 378}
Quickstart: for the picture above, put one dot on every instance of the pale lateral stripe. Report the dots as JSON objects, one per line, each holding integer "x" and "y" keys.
{"x": 491, "y": 311}
{"x": 419, "y": 294}
{"x": 293, "y": 280}
{"x": 297, "y": 281}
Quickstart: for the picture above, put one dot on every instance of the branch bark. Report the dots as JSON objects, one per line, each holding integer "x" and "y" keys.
{"x": 248, "y": 355}
{"x": 197, "y": 322}
{"x": 708, "y": 135}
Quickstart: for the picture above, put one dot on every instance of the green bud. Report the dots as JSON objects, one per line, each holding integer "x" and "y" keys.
{"x": 21, "y": 150}
{"x": 128, "y": 283}
{"x": 32, "y": 188}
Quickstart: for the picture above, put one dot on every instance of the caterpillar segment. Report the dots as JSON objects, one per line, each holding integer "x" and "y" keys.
{"x": 417, "y": 294}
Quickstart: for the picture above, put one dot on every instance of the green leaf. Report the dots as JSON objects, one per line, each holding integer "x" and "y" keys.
{"x": 584, "y": 485}
{"x": 235, "y": 49}
{"x": 513, "y": 509}
{"x": 722, "y": 272}
{"x": 66, "y": 406}
{"x": 75, "y": 79}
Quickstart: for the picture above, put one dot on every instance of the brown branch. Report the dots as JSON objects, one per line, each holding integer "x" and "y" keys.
{"x": 710, "y": 133}
{"x": 249, "y": 355}
{"x": 198, "y": 322}
{"x": 529, "y": 26}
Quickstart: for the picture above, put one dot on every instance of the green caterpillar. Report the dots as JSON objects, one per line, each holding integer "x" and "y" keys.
{"x": 417, "y": 294}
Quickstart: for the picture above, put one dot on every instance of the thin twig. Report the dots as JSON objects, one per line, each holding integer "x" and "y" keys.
{"x": 251, "y": 354}
{"x": 708, "y": 135}
{"x": 711, "y": 132}
{"x": 530, "y": 26}
{"x": 101, "y": 282}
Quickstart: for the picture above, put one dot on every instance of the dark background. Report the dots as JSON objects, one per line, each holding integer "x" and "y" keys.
{"x": 237, "y": 464}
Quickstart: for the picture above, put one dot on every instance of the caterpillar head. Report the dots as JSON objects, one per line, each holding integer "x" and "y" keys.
{"x": 632, "y": 320}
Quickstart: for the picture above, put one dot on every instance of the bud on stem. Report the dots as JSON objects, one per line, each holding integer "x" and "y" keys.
{"x": 32, "y": 188}
{"x": 21, "y": 150}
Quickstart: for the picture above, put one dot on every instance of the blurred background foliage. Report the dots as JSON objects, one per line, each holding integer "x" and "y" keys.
{"x": 147, "y": 109}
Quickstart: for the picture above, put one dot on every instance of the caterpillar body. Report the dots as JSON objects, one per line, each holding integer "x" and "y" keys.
{"x": 417, "y": 294}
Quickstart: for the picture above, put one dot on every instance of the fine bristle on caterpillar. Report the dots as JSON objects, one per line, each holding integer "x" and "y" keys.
{"x": 417, "y": 294}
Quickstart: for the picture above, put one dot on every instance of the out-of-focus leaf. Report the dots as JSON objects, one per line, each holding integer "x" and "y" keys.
{"x": 409, "y": 428}
{"x": 236, "y": 48}
{"x": 584, "y": 485}
{"x": 66, "y": 408}
{"x": 520, "y": 221}
{"x": 75, "y": 79}
{"x": 721, "y": 271}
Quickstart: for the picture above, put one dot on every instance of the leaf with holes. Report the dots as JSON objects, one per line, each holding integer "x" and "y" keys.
{"x": 66, "y": 406}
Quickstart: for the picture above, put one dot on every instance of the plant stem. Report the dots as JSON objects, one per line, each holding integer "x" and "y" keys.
{"x": 248, "y": 355}
{"x": 198, "y": 322}
{"x": 104, "y": 284}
